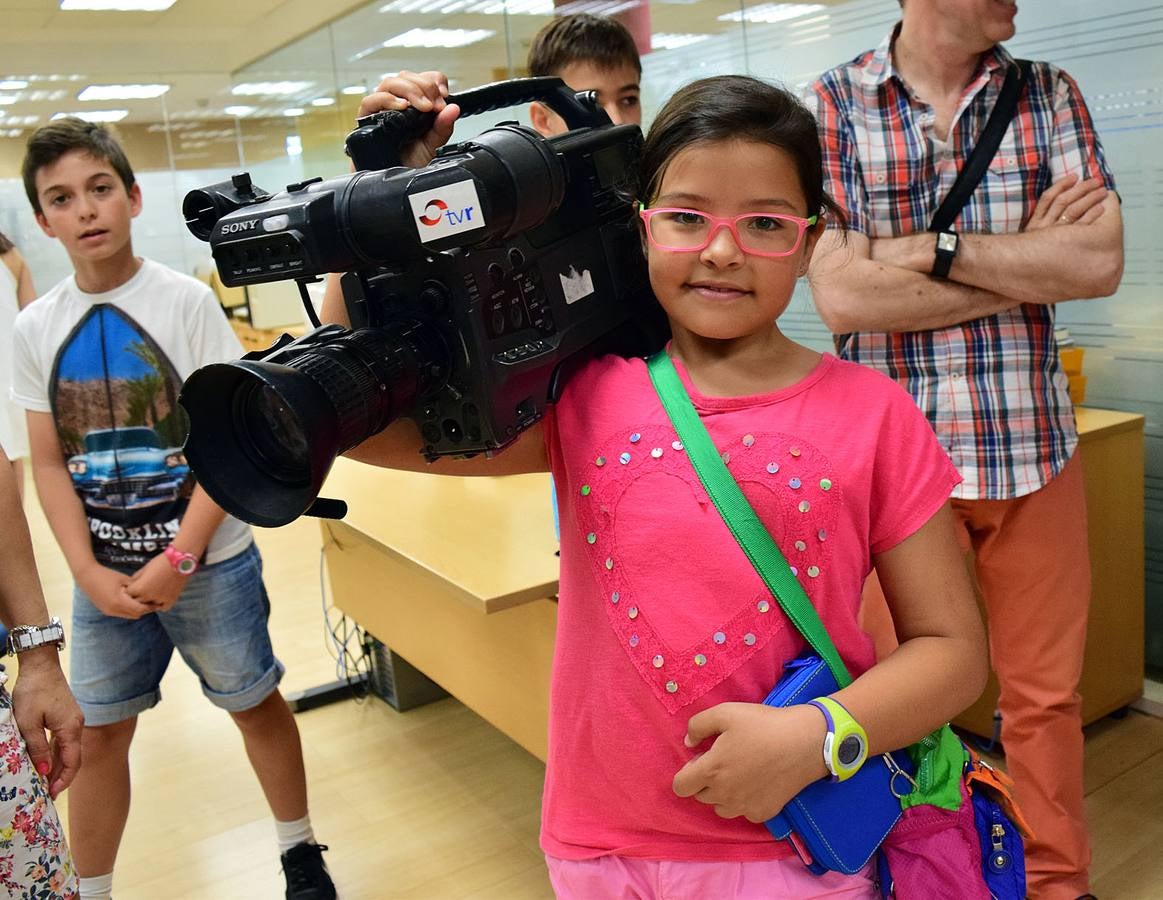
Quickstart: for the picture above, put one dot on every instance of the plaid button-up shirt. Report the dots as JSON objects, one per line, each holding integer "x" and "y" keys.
{"x": 993, "y": 387}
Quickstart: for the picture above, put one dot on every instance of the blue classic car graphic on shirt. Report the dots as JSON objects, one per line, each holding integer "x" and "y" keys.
{"x": 114, "y": 396}
{"x": 127, "y": 468}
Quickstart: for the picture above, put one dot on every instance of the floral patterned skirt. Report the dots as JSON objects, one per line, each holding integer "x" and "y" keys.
{"x": 35, "y": 863}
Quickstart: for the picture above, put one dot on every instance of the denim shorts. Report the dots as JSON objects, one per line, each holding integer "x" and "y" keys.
{"x": 219, "y": 626}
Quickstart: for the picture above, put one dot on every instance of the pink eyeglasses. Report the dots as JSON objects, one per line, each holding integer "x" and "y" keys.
{"x": 759, "y": 234}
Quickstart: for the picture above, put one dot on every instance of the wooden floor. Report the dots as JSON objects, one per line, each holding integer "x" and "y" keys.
{"x": 435, "y": 803}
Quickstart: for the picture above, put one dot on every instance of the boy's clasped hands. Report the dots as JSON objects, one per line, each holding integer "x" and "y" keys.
{"x": 155, "y": 587}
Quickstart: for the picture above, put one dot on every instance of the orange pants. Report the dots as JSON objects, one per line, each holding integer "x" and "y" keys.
{"x": 1033, "y": 570}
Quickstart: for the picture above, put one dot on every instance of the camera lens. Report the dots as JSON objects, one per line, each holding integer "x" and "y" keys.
{"x": 274, "y": 437}
{"x": 263, "y": 434}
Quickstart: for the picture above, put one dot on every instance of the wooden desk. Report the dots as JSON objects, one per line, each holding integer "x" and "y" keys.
{"x": 458, "y": 576}
{"x": 1111, "y": 447}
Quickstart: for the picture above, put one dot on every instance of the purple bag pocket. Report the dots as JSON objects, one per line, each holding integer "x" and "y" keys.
{"x": 935, "y": 854}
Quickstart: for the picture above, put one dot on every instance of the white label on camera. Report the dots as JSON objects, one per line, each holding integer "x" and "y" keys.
{"x": 446, "y": 211}
{"x": 576, "y": 285}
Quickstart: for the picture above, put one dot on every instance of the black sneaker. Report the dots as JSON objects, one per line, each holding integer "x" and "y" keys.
{"x": 306, "y": 873}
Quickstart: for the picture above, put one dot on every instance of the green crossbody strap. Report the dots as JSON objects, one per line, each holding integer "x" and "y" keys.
{"x": 751, "y": 534}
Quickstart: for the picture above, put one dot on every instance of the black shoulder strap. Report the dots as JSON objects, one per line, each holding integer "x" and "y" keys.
{"x": 979, "y": 160}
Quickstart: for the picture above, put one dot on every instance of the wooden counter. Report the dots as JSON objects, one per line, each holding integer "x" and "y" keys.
{"x": 457, "y": 575}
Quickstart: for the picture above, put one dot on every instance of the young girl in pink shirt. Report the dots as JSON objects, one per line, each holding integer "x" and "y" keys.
{"x": 663, "y": 761}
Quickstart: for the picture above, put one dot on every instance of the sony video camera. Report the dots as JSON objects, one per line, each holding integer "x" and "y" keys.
{"x": 471, "y": 284}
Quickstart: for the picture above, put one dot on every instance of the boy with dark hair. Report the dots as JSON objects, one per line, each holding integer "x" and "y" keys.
{"x": 99, "y": 361}
{"x": 587, "y": 52}
{"x": 582, "y": 38}
{"x": 52, "y": 142}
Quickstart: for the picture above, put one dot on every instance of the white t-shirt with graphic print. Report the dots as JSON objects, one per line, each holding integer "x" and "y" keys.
{"x": 109, "y": 368}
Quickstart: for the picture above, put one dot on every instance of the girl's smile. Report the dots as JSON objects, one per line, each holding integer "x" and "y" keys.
{"x": 715, "y": 290}
{"x": 721, "y": 292}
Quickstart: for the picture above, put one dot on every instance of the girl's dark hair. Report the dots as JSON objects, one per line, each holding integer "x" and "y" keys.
{"x": 5, "y": 244}
{"x": 51, "y": 142}
{"x": 738, "y": 107}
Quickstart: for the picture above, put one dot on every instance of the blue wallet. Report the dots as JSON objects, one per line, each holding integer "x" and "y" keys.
{"x": 840, "y": 824}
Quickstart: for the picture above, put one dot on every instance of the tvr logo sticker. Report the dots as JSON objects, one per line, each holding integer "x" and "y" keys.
{"x": 432, "y": 212}
{"x": 445, "y": 211}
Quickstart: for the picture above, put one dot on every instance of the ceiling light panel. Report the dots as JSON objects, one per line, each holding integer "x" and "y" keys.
{"x": 443, "y": 38}
{"x": 94, "y": 115}
{"x": 475, "y": 7}
{"x": 768, "y": 13}
{"x": 105, "y": 92}
{"x": 117, "y": 5}
{"x": 45, "y": 96}
{"x": 193, "y": 118}
{"x": 271, "y": 88}
{"x": 597, "y": 7}
{"x": 13, "y": 84}
{"x": 668, "y": 41}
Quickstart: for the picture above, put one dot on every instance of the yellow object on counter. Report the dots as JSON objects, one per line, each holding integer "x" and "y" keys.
{"x": 1072, "y": 359}
{"x": 1077, "y": 389}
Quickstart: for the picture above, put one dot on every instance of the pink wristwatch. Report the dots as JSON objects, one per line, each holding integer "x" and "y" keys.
{"x": 183, "y": 563}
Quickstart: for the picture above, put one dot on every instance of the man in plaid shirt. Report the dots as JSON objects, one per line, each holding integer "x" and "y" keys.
{"x": 969, "y": 332}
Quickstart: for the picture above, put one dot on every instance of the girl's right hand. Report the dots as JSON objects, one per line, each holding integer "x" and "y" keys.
{"x": 762, "y": 756}
{"x": 425, "y": 91}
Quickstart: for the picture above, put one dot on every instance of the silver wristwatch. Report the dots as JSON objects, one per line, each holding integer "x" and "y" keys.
{"x": 28, "y": 637}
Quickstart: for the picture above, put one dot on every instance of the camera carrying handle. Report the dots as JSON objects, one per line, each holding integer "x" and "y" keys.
{"x": 378, "y": 139}
{"x": 578, "y": 109}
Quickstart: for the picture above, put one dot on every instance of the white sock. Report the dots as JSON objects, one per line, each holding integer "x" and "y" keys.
{"x": 293, "y": 833}
{"x": 99, "y": 887}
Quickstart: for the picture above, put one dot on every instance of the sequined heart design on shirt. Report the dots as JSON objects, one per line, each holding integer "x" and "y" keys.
{"x": 686, "y": 604}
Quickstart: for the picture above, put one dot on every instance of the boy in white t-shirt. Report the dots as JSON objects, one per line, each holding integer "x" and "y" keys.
{"x": 99, "y": 361}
